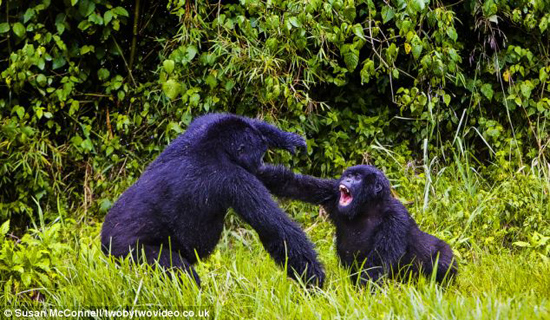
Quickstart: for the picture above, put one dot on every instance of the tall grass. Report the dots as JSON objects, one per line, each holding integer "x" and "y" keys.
{"x": 476, "y": 215}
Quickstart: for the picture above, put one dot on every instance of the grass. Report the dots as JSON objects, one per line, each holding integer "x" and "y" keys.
{"x": 480, "y": 219}
{"x": 241, "y": 281}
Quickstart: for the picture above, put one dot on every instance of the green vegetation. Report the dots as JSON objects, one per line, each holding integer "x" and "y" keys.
{"x": 451, "y": 99}
{"x": 495, "y": 280}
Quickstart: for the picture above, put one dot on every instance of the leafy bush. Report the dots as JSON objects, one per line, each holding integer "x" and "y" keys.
{"x": 29, "y": 261}
{"x": 92, "y": 90}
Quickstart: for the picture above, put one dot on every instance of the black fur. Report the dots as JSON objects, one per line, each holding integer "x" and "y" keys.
{"x": 175, "y": 211}
{"x": 375, "y": 235}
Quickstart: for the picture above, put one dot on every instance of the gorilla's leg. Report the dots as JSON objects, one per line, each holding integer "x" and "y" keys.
{"x": 169, "y": 260}
{"x": 446, "y": 264}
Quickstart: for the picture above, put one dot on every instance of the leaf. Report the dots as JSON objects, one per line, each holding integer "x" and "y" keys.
{"x": 171, "y": 89}
{"x": 543, "y": 25}
{"x": 506, "y": 75}
{"x": 108, "y": 152}
{"x": 108, "y": 16}
{"x": 454, "y": 56}
{"x": 4, "y": 27}
{"x": 493, "y": 18}
{"x": 451, "y": 32}
{"x": 19, "y": 29}
{"x": 522, "y": 244}
{"x": 73, "y": 2}
{"x": 351, "y": 59}
{"x": 417, "y": 50}
{"x": 195, "y": 99}
{"x": 358, "y": 31}
{"x": 408, "y": 48}
{"x": 174, "y": 126}
{"x": 387, "y": 14}
{"x": 84, "y": 24}
{"x": 26, "y": 279}
{"x": 211, "y": 81}
{"x": 19, "y": 110}
{"x": 105, "y": 204}
{"x": 5, "y": 228}
{"x": 395, "y": 73}
{"x": 487, "y": 91}
{"x": 96, "y": 18}
{"x": 526, "y": 88}
{"x": 28, "y": 15}
{"x": 294, "y": 22}
{"x": 58, "y": 62}
{"x": 103, "y": 74}
{"x": 86, "y": 49}
{"x": 418, "y": 5}
{"x": 229, "y": 85}
{"x": 60, "y": 26}
{"x": 121, "y": 11}
{"x": 191, "y": 53}
{"x": 447, "y": 99}
{"x": 87, "y": 144}
{"x": 41, "y": 80}
{"x": 368, "y": 71}
{"x": 168, "y": 66}
{"x": 86, "y": 7}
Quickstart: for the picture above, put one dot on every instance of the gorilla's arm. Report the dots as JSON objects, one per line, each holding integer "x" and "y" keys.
{"x": 277, "y": 138}
{"x": 284, "y": 183}
{"x": 280, "y": 236}
{"x": 390, "y": 241}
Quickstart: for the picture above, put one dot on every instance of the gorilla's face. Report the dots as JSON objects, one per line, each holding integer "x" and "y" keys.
{"x": 358, "y": 186}
{"x": 248, "y": 149}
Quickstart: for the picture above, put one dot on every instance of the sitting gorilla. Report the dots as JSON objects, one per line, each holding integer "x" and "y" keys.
{"x": 375, "y": 234}
{"x": 175, "y": 211}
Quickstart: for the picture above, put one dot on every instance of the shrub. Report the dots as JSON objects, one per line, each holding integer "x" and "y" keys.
{"x": 92, "y": 90}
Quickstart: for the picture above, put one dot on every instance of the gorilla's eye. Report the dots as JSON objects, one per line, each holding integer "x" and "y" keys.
{"x": 240, "y": 149}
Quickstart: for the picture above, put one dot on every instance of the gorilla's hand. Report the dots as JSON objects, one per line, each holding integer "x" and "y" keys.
{"x": 277, "y": 138}
{"x": 310, "y": 272}
{"x": 292, "y": 141}
{"x": 301, "y": 258}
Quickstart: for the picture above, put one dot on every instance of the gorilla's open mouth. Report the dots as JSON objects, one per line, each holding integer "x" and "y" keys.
{"x": 345, "y": 195}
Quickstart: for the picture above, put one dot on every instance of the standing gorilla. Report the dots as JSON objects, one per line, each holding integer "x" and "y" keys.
{"x": 175, "y": 211}
{"x": 375, "y": 234}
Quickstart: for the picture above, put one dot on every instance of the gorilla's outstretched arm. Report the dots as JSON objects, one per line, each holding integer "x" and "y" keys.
{"x": 277, "y": 138}
{"x": 284, "y": 183}
{"x": 280, "y": 236}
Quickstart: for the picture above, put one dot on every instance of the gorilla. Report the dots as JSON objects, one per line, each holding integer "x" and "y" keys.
{"x": 375, "y": 235}
{"x": 175, "y": 211}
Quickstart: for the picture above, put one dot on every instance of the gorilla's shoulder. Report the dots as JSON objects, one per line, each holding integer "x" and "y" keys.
{"x": 204, "y": 132}
{"x": 397, "y": 210}
{"x": 215, "y": 127}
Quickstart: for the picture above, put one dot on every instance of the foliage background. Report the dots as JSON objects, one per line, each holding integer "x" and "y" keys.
{"x": 434, "y": 92}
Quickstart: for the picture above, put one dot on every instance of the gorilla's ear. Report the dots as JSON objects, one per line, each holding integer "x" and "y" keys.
{"x": 373, "y": 180}
{"x": 277, "y": 138}
{"x": 378, "y": 187}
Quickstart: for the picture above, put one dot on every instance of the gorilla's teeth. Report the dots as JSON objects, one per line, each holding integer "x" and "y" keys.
{"x": 344, "y": 189}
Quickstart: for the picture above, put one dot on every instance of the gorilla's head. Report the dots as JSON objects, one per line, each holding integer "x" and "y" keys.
{"x": 247, "y": 148}
{"x": 359, "y": 186}
{"x": 245, "y": 140}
